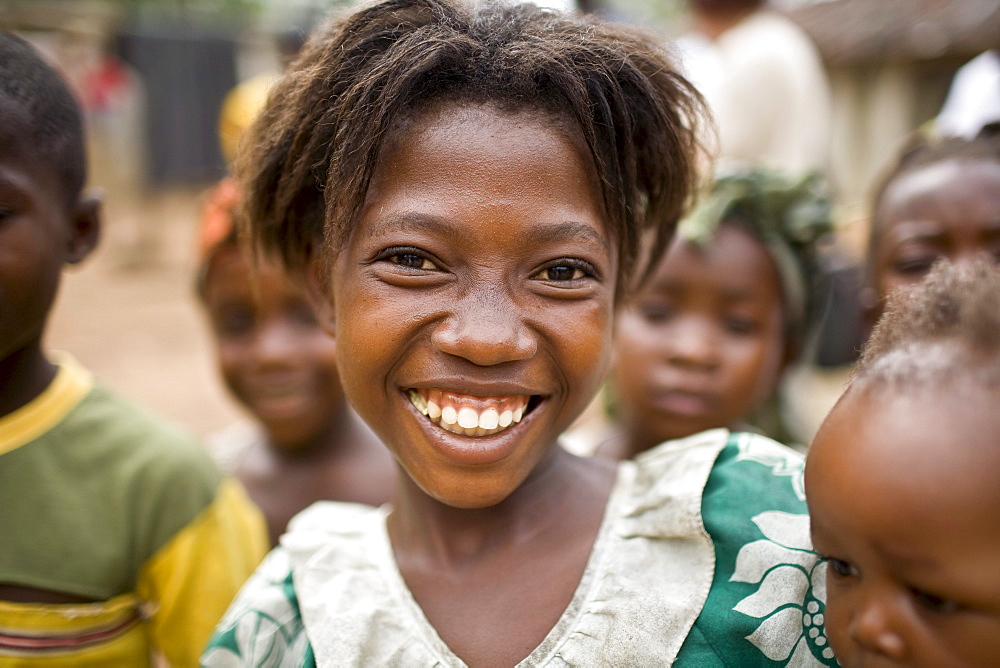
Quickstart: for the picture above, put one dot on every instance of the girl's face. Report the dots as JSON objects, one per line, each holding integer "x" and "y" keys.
{"x": 274, "y": 356}
{"x": 945, "y": 210}
{"x": 472, "y": 304}
{"x": 905, "y": 505}
{"x": 702, "y": 344}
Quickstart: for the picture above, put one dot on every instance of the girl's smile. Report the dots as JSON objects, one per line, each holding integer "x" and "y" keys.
{"x": 476, "y": 292}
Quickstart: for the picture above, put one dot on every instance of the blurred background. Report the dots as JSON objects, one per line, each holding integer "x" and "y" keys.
{"x": 152, "y": 76}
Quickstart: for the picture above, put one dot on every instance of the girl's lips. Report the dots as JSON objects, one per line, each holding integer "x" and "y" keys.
{"x": 469, "y": 415}
{"x": 689, "y": 404}
{"x": 280, "y": 404}
{"x": 467, "y": 446}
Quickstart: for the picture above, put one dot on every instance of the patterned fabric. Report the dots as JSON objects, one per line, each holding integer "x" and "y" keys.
{"x": 662, "y": 586}
{"x": 102, "y": 501}
{"x": 109, "y": 633}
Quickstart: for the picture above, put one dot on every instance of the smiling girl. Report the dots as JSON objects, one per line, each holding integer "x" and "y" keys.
{"x": 465, "y": 190}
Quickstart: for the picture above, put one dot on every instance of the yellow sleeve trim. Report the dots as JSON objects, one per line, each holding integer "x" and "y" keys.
{"x": 190, "y": 581}
{"x": 64, "y": 393}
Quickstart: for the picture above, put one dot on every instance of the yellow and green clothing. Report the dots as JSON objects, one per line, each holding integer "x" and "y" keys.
{"x": 105, "y": 502}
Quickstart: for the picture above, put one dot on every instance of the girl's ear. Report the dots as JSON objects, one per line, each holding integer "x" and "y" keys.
{"x": 85, "y": 228}
{"x": 318, "y": 289}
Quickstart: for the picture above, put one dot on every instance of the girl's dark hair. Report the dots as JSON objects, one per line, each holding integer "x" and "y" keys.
{"x": 310, "y": 157}
{"x": 922, "y": 151}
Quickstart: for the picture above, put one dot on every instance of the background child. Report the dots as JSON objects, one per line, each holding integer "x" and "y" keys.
{"x": 495, "y": 167}
{"x": 903, "y": 481}
{"x": 281, "y": 366}
{"x": 704, "y": 342}
{"x": 119, "y": 535}
{"x": 940, "y": 200}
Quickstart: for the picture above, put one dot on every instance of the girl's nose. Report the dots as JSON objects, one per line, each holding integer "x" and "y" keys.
{"x": 875, "y": 627}
{"x": 486, "y": 328}
{"x": 691, "y": 343}
{"x": 275, "y": 344}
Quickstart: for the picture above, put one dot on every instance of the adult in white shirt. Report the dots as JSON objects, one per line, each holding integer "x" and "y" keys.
{"x": 974, "y": 97}
{"x": 764, "y": 82}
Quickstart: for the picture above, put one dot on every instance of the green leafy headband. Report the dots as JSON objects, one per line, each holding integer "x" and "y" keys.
{"x": 788, "y": 214}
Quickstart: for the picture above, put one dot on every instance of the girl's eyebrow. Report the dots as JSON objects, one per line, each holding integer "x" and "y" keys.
{"x": 552, "y": 233}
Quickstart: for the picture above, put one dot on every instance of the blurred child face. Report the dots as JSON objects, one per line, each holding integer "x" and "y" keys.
{"x": 473, "y": 301}
{"x": 274, "y": 356}
{"x": 39, "y": 233}
{"x": 905, "y": 502}
{"x": 945, "y": 210}
{"x": 702, "y": 344}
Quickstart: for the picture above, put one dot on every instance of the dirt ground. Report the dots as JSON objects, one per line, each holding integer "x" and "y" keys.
{"x": 130, "y": 315}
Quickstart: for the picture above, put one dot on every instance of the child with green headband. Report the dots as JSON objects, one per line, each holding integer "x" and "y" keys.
{"x": 706, "y": 340}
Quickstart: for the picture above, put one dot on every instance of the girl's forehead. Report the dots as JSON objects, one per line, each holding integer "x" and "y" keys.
{"x": 456, "y": 140}
{"x": 453, "y": 118}
{"x": 956, "y": 177}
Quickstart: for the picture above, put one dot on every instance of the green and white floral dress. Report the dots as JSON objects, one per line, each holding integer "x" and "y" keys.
{"x": 703, "y": 559}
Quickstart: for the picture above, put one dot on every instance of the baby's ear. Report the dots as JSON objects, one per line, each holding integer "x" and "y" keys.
{"x": 318, "y": 289}
{"x": 85, "y": 228}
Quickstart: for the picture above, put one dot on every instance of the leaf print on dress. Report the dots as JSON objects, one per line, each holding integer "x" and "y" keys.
{"x": 791, "y": 595}
{"x": 268, "y": 634}
{"x": 766, "y": 452}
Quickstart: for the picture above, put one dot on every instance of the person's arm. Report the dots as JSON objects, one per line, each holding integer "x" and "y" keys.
{"x": 189, "y": 582}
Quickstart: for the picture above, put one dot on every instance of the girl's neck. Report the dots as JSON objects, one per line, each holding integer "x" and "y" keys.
{"x": 24, "y": 374}
{"x": 548, "y": 499}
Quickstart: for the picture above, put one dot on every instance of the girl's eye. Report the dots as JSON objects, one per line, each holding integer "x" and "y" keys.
{"x": 410, "y": 258}
{"x": 563, "y": 273}
{"x": 914, "y": 266}
{"x": 235, "y": 322}
{"x": 840, "y": 567}
{"x": 303, "y": 314}
{"x": 566, "y": 271}
{"x": 656, "y": 313}
{"x": 740, "y": 325}
{"x": 932, "y": 603}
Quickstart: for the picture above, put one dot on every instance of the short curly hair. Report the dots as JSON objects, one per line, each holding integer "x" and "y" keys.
{"x": 945, "y": 329}
{"x": 308, "y": 161}
{"x": 31, "y": 88}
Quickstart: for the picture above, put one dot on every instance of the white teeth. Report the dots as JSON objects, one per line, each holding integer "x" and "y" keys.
{"x": 489, "y": 419}
{"x": 468, "y": 419}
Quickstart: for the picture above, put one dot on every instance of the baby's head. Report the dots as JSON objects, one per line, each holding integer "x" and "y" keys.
{"x": 466, "y": 186}
{"x": 940, "y": 200}
{"x": 44, "y": 221}
{"x": 903, "y": 481}
{"x": 272, "y": 353}
{"x": 705, "y": 340}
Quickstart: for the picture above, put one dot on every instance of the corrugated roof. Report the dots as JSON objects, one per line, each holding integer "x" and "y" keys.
{"x": 860, "y": 31}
